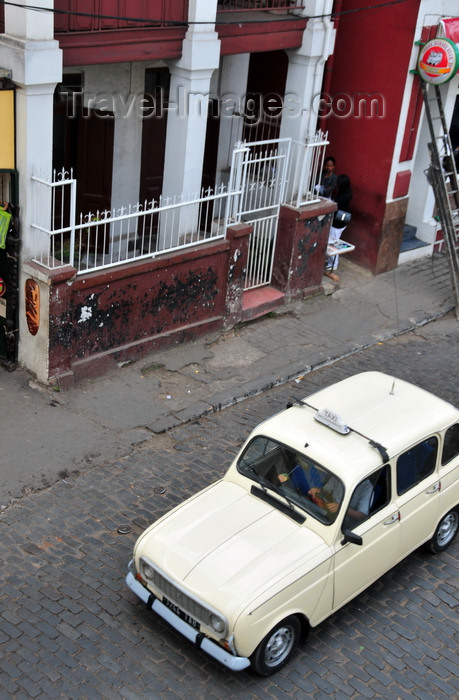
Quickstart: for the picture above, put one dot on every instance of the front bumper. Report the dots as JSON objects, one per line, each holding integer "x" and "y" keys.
{"x": 235, "y": 663}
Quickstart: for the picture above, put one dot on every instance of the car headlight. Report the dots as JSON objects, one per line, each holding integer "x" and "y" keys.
{"x": 147, "y": 571}
{"x": 217, "y": 624}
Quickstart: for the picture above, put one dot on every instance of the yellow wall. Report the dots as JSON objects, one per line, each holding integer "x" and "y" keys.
{"x": 7, "y": 129}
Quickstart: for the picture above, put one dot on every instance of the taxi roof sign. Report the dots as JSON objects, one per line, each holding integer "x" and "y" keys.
{"x": 332, "y": 420}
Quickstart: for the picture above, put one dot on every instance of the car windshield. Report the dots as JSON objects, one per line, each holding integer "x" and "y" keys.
{"x": 293, "y": 474}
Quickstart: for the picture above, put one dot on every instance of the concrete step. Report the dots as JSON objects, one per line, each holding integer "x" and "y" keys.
{"x": 260, "y": 301}
{"x": 409, "y": 240}
{"x": 412, "y": 244}
{"x": 409, "y": 232}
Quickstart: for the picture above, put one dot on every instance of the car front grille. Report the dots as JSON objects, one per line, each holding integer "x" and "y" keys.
{"x": 176, "y": 595}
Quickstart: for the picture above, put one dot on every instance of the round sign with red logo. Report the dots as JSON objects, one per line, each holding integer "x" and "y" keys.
{"x": 438, "y": 61}
{"x": 2, "y": 287}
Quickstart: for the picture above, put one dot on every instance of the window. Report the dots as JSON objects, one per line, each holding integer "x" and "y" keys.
{"x": 450, "y": 444}
{"x": 372, "y": 494}
{"x": 294, "y": 476}
{"x": 416, "y": 464}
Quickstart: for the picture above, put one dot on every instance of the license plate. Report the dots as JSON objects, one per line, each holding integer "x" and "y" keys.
{"x": 181, "y": 614}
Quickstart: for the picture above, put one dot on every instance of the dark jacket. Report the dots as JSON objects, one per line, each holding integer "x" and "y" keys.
{"x": 343, "y": 200}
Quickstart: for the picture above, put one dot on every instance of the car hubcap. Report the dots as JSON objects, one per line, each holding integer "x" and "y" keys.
{"x": 279, "y": 646}
{"x": 447, "y": 529}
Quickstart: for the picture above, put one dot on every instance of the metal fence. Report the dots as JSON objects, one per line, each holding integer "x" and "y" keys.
{"x": 254, "y": 5}
{"x": 268, "y": 174}
{"x": 263, "y": 176}
{"x": 107, "y": 238}
{"x": 306, "y": 165}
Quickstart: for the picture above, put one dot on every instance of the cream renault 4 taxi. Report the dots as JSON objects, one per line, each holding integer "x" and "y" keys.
{"x": 323, "y": 499}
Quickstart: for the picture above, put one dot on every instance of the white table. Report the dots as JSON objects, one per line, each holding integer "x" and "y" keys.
{"x": 339, "y": 247}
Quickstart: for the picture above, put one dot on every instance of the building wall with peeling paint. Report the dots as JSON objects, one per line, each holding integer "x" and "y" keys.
{"x": 125, "y": 313}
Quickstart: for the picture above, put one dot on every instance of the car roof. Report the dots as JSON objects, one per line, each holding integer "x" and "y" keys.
{"x": 376, "y": 406}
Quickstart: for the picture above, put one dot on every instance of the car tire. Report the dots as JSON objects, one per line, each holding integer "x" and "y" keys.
{"x": 445, "y": 533}
{"x": 276, "y": 648}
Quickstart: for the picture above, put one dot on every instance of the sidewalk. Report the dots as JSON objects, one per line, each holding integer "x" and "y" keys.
{"x": 47, "y": 435}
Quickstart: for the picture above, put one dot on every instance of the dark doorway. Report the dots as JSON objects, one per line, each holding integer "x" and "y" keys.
{"x": 83, "y": 142}
{"x": 154, "y": 127}
{"x": 209, "y": 168}
{"x": 265, "y": 95}
{"x": 95, "y": 161}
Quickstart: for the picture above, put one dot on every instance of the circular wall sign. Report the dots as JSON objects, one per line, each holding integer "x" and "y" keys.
{"x": 32, "y": 306}
{"x": 438, "y": 61}
{"x": 2, "y": 287}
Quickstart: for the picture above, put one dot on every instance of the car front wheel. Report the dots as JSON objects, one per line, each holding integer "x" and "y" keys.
{"x": 445, "y": 533}
{"x": 277, "y": 647}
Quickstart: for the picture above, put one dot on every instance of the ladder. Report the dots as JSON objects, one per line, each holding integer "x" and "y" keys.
{"x": 442, "y": 176}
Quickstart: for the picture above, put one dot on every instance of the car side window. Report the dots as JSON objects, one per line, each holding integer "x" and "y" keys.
{"x": 416, "y": 464}
{"x": 450, "y": 444}
{"x": 372, "y": 494}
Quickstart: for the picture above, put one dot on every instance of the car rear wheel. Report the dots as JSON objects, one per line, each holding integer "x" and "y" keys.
{"x": 445, "y": 533}
{"x": 276, "y": 648}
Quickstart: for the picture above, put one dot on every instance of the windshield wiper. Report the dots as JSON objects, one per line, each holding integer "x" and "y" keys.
{"x": 268, "y": 485}
{"x": 262, "y": 480}
{"x": 273, "y": 501}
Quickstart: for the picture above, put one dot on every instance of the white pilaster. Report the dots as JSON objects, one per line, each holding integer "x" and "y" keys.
{"x": 33, "y": 24}
{"x": 304, "y": 80}
{"x": 187, "y": 116}
{"x": 188, "y": 99}
{"x": 28, "y": 49}
{"x": 233, "y": 87}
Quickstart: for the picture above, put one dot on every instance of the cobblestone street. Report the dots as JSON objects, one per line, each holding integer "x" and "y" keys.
{"x": 71, "y": 629}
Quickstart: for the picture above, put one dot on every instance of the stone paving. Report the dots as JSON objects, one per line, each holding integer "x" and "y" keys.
{"x": 51, "y": 433}
{"x": 69, "y": 628}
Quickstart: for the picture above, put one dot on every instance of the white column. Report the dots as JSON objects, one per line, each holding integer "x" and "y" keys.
{"x": 28, "y": 49}
{"x": 30, "y": 24}
{"x": 187, "y": 116}
{"x": 186, "y": 130}
{"x": 233, "y": 87}
{"x": 188, "y": 100}
{"x": 304, "y": 80}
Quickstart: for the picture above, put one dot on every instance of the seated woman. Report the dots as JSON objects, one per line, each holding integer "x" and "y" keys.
{"x": 342, "y": 195}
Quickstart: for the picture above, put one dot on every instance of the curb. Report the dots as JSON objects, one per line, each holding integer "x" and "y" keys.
{"x": 220, "y": 402}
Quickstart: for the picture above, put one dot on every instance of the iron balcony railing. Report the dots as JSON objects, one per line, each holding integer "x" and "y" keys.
{"x": 100, "y": 15}
{"x": 275, "y": 6}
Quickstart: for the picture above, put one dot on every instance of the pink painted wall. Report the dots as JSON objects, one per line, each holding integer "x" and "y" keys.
{"x": 301, "y": 246}
{"x": 129, "y": 311}
{"x": 372, "y": 55}
{"x": 132, "y": 310}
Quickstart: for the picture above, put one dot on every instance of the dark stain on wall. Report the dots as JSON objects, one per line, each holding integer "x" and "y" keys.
{"x": 119, "y": 314}
{"x": 177, "y": 298}
{"x": 308, "y": 244}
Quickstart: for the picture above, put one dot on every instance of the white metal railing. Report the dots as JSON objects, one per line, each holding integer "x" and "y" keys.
{"x": 263, "y": 176}
{"x": 113, "y": 237}
{"x": 268, "y": 174}
{"x": 254, "y": 5}
{"x": 264, "y": 168}
{"x": 306, "y": 167}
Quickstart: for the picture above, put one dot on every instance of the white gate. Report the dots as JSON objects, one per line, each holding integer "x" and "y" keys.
{"x": 264, "y": 175}
{"x": 259, "y": 176}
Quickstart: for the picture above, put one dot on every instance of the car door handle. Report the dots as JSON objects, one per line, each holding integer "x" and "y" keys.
{"x": 434, "y": 488}
{"x": 393, "y": 519}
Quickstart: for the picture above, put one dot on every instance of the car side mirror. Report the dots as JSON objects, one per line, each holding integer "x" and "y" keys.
{"x": 351, "y": 537}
